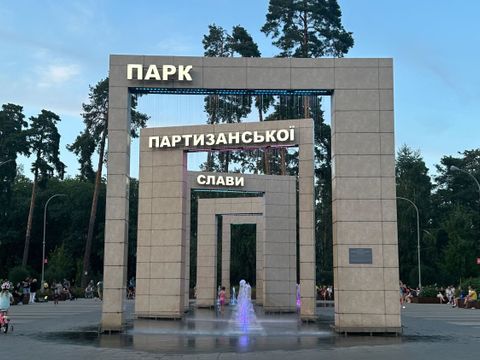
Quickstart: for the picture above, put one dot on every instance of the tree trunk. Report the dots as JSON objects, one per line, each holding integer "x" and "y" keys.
{"x": 305, "y": 34}
{"x": 266, "y": 161}
{"x": 209, "y": 166}
{"x": 283, "y": 161}
{"x": 260, "y": 108}
{"x": 266, "y": 156}
{"x": 227, "y": 161}
{"x": 30, "y": 221}
{"x": 306, "y": 107}
{"x": 93, "y": 213}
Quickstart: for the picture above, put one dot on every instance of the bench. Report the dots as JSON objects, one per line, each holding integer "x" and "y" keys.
{"x": 461, "y": 304}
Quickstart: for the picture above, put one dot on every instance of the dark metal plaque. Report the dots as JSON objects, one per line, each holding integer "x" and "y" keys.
{"x": 360, "y": 255}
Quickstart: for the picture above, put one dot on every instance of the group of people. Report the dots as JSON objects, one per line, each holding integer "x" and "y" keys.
{"x": 407, "y": 294}
{"x": 448, "y": 295}
{"x": 91, "y": 290}
{"x": 24, "y": 291}
{"x": 62, "y": 290}
{"x": 325, "y": 292}
{"x": 467, "y": 300}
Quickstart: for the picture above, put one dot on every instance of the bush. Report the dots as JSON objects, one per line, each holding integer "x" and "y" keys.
{"x": 429, "y": 291}
{"x": 77, "y": 292}
{"x": 17, "y": 274}
{"x": 60, "y": 266}
{"x": 473, "y": 282}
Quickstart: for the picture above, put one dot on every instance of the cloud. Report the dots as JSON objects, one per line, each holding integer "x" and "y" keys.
{"x": 56, "y": 74}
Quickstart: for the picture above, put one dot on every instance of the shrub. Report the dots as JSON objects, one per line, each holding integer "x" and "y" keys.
{"x": 60, "y": 266}
{"x": 473, "y": 282}
{"x": 77, "y": 292}
{"x": 17, "y": 274}
{"x": 429, "y": 291}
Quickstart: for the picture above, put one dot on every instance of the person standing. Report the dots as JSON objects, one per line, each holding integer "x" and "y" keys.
{"x": 26, "y": 291}
{"x": 100, "y": 289}
{"x": 33, "y": 290}
{"x": 402, "y": 295}
{"x": 330, "y": 292}
{"x": 221, "y": 298}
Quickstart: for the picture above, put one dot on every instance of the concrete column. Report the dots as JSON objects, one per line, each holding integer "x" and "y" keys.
{"x": 306, "y": 222}
{"x": 226, "y": 250}
{"x": 206, "y": 253}
{"x": 279, "y": 250}
{"x": 260, "y": 259}
{"x": 364, "y": 205}
{"x": 116, "y": 217}
{"x": 161, "y": 249}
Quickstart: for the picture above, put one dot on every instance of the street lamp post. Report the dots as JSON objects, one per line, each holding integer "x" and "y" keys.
{"x": 455, "y": 168}
{"x": 6, "y": 161}
{"x": 44, "y": 233}
{"x": 418, "y": 240}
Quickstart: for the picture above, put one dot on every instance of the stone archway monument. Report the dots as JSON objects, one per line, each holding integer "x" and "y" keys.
{"x": 364, "y": 207}
{"x": 164, "y": 208}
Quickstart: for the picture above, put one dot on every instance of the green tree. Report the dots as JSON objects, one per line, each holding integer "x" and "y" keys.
{"x": 307, "y": 28}
{"x": 94, "y": 136}
{"x": 226, "y": 108}
{"x": 310, "y": 29}
{"x": 13, "y": 225}
{"x": 13, "y": 142}
{"x": 460, "y": 254}
{"x": 457, "y": 215}
{"x": 44, "y": 143}
{"x": 414, "y": 184}
{"x": 60, "y": 266}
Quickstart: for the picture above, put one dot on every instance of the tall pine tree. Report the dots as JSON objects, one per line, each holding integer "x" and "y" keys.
{"x": 227, "y": 108}
{"x": 94, "y": 137}
{"x": 44, "y": 143}
{"x": 310, "y": 29}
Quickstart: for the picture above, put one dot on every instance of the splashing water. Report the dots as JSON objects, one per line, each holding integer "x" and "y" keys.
{"x": 233, "y": 299}
{"x": 243, "y": 318}
{"x": 299, "y": 298}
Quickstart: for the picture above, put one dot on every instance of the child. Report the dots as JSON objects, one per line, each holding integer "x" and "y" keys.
{"x": 6, "y": 299}
{"x": 221, "y": 297}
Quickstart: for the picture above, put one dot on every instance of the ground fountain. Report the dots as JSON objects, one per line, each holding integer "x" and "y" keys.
{"x": 243, "y": 318}
{"x": 233, "y": 298}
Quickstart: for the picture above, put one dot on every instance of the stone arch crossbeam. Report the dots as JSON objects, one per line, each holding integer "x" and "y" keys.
{"x": 363, "y": 163}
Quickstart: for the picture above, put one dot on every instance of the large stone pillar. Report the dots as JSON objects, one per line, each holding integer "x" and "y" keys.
{"x": 279, "y": 247}
{"x": 116, "y": 217}
{"x": 206, "y": 253}
{"x": 365, "y": 252}
{"x": 306, "y": 220}
{"x": 161, "y": 247}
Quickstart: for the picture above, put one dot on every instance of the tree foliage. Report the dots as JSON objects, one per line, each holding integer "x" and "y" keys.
{"x": 413, "y": 183}
{"x": 13, "y": 142}
{"x": 44, "y": 142}
{"x": 307, "y": 28}
{"x": 94, "y": 137}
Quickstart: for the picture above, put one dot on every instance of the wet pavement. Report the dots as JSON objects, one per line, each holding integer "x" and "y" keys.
{"x": 70, "y": 330}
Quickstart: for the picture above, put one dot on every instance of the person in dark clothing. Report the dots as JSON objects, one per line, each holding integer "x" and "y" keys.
{"x": 33, "y": 290}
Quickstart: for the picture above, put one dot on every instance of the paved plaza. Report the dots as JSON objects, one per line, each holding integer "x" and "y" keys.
{"x": 69, "y": 330}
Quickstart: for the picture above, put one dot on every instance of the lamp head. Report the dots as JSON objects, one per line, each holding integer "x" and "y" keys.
{"x": 454, "y": 168}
